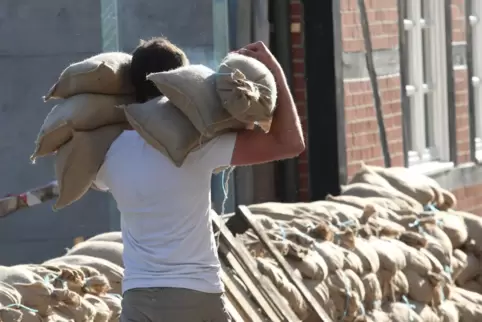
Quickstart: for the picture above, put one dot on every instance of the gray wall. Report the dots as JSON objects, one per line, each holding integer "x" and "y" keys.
{"x": 37, "y": 40}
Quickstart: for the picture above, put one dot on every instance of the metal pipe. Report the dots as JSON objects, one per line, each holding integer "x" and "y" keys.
{"x": 469, "y": 52}
{"x": 452, "y": 111}
{"x": 405, "y": 102}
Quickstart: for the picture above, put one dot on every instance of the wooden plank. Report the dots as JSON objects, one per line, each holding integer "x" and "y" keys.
{"x": 256, "y": 282}
{"x": 240, "y": 297}
{"x": 252, "y": 287}
{"x": 231, "y": 309}
{"x": 263, "y": 237}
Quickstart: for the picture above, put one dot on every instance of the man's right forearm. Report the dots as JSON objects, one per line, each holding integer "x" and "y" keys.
{"x": 286, "y": 125}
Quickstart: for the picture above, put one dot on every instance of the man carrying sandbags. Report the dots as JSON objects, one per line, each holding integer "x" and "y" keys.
{"x": 170, "y": 257}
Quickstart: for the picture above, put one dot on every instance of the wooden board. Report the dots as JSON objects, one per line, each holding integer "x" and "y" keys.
{"x": 244, "y": 212}
{"x": 261, "y": 287}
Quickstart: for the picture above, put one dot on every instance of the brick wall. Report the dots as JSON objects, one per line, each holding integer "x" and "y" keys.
{"x": 299, "y": 88}
{"x": 362, "y": 134}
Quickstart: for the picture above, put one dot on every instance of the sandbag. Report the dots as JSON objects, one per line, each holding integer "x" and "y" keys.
{"x": 332, "y": 254}
{"x": 192, "y": 89}
{"x": 409, "y": 183}
{"x": 83, "y": 112}
{"x": 113, "y": 272}
{"x": 367, "y": 190}
{"x": 165, "y": 128}
{"x": 344, "y": 296}
{"x": 366, "y": 175}
{"x": 10, "y": 302}
{"x": 115, "y": 305}
{"x": 391, "y": 257}
{"x": 102, "y": 311}
{"x": 105, "y": 73}
{"x": 247, "y": 89}
{"x": 401, "y": 312}
{"x": 454, "y": 226}
{"x": 78, "y": 161}
{"x": 373, "y": 291}
{"x": 85, "y": 311}
{"x": 110, "y": 251}
{"x": 113, "y": 236}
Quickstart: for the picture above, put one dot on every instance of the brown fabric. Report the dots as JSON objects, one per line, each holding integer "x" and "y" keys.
{"x": 83, "y": 312}
{"x": 110, "y": 251}
{"x": 373, "y": 291}
{"x": 455, "y": 228}
{"x": 102, "y": 310}
{"x": 165, "y": 128}
{"x": 115, "y": 306}
{"x": 247, "y": 89}
{"x": 82, "y": 112}
{"x": 172, "y": 304}
{"x": 106, "y": 73}
{"x": 192, "y": 90}
{"x": 78, "y": 161}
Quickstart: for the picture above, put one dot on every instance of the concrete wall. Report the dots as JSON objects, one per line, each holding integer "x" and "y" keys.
{"x": 38, "y": 40}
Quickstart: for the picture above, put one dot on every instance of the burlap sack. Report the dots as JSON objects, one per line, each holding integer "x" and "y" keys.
{"x": 332, "y": 254}
{"x": 352, "y": 262}
{"x": 110, "y": 251}
{"x": 474, "y": 226}
{"x": 422, "y": 288}
{"x": 459, "y": 263}
{"x": 192, "y": 89}
{"x": 83, "y": 112}
{"x": 113, "y": 236}
{"x": 425, "y": 312}
{"x": 311, "y": 265}
{"x": 367, "y": 254}
{"x": 113, "y": 272}
{"x": 471, "y": 270}
{"x": 165, "y": 128}
{"x": 85, "y": 311}
{"x": 448, "y": 312}
{"x": 115, "y": 305}
{"x": 415, "y": 260}
{"x": 454, "y": 226}
{"x": 102, "y": 311}
{"x": 366, "y": 175}
{"x": 468, "y": 310}
{"x": 247, "y": 89}
{"x": 401, "y": 312}
{"x": 373, "y": 291}
{"x": 367, "y": 190}
{"x": 285, "y": 287}
{"x": 78, "y": 161}
{"x": 409, "y": 183}
{"x": 106, "y": 73}
{"x": 345, "y": 298}
{"x": 10, "y": 300}
{"x": 282, "y": 211}
{"x": 391, "y": 257}
{"x": 356, "y": 283}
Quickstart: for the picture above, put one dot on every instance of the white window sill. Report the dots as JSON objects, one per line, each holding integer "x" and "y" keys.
{"x": 431, "y": 168}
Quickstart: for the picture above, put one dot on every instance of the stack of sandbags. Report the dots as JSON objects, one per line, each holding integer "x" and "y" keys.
{"x": 389, "y": 248}
{"x": 201, "y": 104}
{"x": 81, "y": 127}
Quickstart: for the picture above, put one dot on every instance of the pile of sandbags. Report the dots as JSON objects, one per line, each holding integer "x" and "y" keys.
{"x": 84, "y": 285}
{"x": 389, "y": 248}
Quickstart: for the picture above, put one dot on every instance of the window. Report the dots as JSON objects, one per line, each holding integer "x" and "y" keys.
{"x": 474, "y": 20}
{"x": 427, "y": 87}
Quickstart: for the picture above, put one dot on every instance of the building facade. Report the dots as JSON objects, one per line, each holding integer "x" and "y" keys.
{"x": 428, "y": 62}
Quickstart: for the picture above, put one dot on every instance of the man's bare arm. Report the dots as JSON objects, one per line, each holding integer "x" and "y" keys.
{"x": 285, "y": 138}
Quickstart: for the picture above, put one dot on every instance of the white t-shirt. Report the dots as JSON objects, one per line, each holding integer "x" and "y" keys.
{"x": 168, "y": 237}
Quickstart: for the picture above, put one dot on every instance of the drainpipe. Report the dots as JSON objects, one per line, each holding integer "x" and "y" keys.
{"x": 288, "y": 169}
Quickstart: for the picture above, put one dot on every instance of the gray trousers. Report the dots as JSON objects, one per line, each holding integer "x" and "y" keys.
{"x": 172, "y": 304}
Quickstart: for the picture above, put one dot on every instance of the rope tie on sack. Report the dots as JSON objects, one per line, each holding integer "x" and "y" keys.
{"x": 416, "y": 224}
{"x": 51, "y": 277}
{"x": 20, "y": 306}
{"x": 410, "y": 306}
{"x": 347, "y": 223}
{"x": 347, "y": 296}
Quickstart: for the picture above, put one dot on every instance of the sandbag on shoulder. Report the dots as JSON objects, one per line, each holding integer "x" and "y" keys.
{"x": 105, "y": 73}
{"x": 247, "y": 89}
{"x": 10, "y": 303}
{"x": 165, "y": 128}
{"x": 83, "y": 112}
{"x": 192, "y": 89}
{"x": 78, "y": 161}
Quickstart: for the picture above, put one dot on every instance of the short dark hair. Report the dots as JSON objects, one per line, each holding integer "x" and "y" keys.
{"x": 153, "y": 56}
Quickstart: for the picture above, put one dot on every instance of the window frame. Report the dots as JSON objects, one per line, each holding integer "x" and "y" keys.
{"x": 430, "y": 92}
